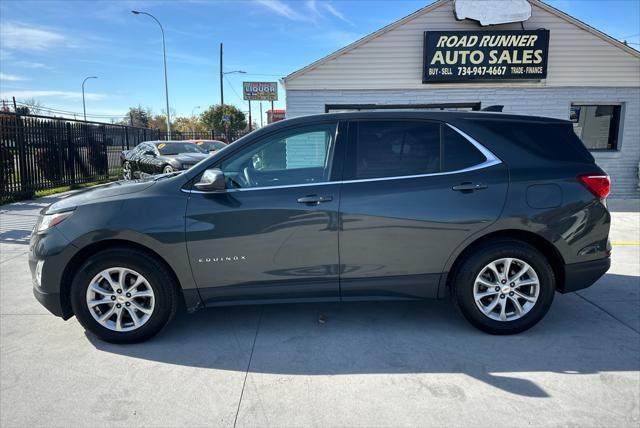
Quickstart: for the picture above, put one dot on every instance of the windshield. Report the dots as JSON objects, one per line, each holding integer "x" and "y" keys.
{"x": 174, "y": 148}
{"x": 210, "y": 145}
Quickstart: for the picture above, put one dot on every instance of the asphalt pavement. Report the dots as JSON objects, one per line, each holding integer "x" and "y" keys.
{"x": 351, "y": 364}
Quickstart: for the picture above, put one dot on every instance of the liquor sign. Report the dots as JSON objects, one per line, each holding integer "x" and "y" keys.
{"x": 459, "y": 56}
{"x": 260, "y": 91}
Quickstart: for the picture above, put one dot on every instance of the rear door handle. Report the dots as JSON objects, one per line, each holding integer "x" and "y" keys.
{"x": 469, "y": 187}
{"x": 314, "y": 199}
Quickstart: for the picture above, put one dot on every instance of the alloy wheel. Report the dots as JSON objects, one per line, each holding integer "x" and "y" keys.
{"x": 506, "y": 289}
{"x": 120, "y": 299}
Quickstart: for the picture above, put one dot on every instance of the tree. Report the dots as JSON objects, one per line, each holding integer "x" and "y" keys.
{"x": 138, "y": 116}
{"x": 189, "y": 124}
{"x": 213, "y": 119}
{"x": 158, "y": 121}
{"x": 35, "y": 106}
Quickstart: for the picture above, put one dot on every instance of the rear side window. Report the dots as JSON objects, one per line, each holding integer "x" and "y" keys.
{"x": 555, "y": 141}
{"x": 457, "y": 152}
{"x": 402, "y": 148}
{"x": 396, "y": 148}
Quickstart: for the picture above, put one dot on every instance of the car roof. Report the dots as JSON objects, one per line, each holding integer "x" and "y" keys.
{"x": 442, "y": 115}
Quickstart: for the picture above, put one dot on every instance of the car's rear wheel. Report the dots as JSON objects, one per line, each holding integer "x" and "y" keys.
{"x": 504, "y": 287}
{"x": 123, "y": 295}
{"x": 126, "y": 171}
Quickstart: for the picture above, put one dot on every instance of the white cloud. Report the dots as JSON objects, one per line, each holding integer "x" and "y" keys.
{"x": 282, "y": 9}
{"x": 11, "y": 77}
{"x": 66, "y": 95}
{"x": 312, "y": 13}
{"x": 31, "y": 64}
{"x": 22, "y": 37}
{"x": 335, "y": 12}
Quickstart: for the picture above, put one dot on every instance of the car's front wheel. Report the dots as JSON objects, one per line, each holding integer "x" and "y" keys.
{"x": 504, "y": 287}
{"x": 167, "y": 169}
{"x": 123, "y": 295}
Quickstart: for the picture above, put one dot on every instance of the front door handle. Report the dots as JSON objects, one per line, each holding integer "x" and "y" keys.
{"x": 314, "y": 199}
{"x": 469, "y": 187}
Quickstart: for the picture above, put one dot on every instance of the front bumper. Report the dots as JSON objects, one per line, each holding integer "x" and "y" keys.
{"x": 49, "y": 254}
{"x": 582, "y": 275}
{"x": 51, "y": 301}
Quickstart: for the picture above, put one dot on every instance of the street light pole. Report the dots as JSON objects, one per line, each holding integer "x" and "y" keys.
{"x": 84, "y": 107}
{"x": 224, "y": 73}
{"x": 221, "y": 75}
{"x": 164, "y": 59}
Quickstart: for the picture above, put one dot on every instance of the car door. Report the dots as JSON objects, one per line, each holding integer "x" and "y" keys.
{"x": 273, "y": 233}
{"x": 412, "y": 192}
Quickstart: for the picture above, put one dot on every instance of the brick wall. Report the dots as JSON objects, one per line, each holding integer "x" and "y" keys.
{"x": 622, "y": 165}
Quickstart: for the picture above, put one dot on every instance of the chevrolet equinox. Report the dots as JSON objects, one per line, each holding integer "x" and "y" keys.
{"x": 497, "y": 211}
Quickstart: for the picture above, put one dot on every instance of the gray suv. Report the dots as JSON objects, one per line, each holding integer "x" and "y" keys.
{"x": 497, "y": 211}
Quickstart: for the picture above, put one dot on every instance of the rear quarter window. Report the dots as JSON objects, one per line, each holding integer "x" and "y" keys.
{"x": 547, "y": 140}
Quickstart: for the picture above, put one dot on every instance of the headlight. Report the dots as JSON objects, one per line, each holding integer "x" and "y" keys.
{"x": 50, "y": 220}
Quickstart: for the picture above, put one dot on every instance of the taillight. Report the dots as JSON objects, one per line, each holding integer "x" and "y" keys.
{"x": 598, "y": 184}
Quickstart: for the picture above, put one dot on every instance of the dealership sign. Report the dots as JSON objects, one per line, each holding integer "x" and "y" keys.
{"x": 458, "y": 56}
{"x": 260, "y": 91}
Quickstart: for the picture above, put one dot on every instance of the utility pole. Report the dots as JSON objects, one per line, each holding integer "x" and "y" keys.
{"x": 221, "y": 76}
{"x": 261, "y": 124}
{"x": 250, "y": 116}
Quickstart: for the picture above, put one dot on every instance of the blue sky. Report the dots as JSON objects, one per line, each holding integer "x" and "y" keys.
{"x": 48, "y": 47}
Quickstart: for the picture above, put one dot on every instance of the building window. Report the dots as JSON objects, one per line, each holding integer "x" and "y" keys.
{"x": 596, "y": 125}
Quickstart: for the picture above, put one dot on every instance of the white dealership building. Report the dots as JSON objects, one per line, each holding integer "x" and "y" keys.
{"x": 556, "y": 66}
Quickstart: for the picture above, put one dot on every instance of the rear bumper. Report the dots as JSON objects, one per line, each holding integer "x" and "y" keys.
{"x": 582, "y": 275}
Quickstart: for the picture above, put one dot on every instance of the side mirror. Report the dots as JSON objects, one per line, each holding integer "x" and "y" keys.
{"x": 212, "y": 180}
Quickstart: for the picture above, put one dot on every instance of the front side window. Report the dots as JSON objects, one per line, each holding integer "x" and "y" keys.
{"x": 596, "y": 125}
{"x": 405, "y": 148}
{"x": 297, "y": 156}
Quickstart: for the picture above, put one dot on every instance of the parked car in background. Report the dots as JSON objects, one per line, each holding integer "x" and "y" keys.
{"x": 498, "y": 211}
{"x": 160, "y": 157}
{"x": 210, "y": 146}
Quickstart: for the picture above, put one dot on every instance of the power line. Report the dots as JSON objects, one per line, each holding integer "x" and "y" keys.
{"x": 67, "y": 112}
{"x": 232, "y": 88}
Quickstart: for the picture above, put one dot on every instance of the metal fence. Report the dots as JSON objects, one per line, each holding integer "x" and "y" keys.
{"x": 40, "y": 152}
{"x": 206, "y": 135}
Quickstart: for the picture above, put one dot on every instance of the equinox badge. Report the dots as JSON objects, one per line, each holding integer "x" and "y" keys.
{"x": 222, "y": 259}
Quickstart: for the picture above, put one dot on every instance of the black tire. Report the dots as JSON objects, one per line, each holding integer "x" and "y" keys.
{"x": 474, "y": 261}
{"x": 160, "y": 280}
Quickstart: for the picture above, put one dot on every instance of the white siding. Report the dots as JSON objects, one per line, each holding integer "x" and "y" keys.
{"x": 393, "y": 60}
